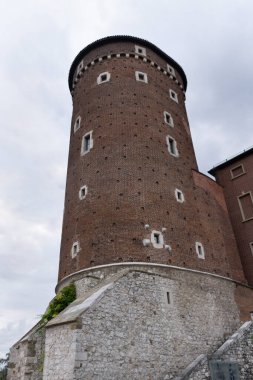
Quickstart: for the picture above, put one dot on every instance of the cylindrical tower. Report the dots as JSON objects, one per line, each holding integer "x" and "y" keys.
{"x": 133, "y": 191}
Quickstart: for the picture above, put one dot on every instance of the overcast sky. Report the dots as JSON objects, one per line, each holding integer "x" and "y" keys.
{"x": 211, "y": 40}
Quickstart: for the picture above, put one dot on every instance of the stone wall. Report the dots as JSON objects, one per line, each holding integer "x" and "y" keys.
{"x": 142, "y": 326}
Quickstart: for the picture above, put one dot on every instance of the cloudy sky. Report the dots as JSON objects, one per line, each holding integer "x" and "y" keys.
{"x": 210, "y": 39}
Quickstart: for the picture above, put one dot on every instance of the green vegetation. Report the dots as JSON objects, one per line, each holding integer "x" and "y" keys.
{"x": 3, "y": 367}
{"x": 59, "y": 303}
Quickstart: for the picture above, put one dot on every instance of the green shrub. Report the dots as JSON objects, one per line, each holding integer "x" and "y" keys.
{"x": 59, "y": 303}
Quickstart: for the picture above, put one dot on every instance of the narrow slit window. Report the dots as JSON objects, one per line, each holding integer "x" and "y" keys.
{"x": 200, "y": 250}
{"x": 168, "y": 119}
{"x": 77, "y": 123}
{"x": 168, "y": 297}
{"x": 87, "y": 143}
{"x": 75, "y": 249}
{"x": 251, "y": 247}
{"x": 172, "y": 146}
{"x": 141, "y": 77}
{"x": 246, "y": 206}
{"x": 173, "y": 96}
{"x": 179, "y": 195}
{"x": 157, "y": 239}
{"x": 83, "y": 192}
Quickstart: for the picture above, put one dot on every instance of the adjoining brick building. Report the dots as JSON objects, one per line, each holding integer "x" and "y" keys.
{"x": 146, "y": 237}
{"x": 235, "y": 175}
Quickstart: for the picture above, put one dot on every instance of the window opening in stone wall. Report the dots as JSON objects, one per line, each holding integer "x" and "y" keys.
{"x": 103, "y": 77}
{"x": 168, "y": 119}
{"x": 79, "y": 67}
{"x": 173, "y": 96}
{"x": 171, "y": 70}
{"x": 251, "y": 247}
{"x": 87, "y": 143}
{"x": 179, "y": 195}
{"x": 172, "y": 146}
{"x": 83, "y": 192}
{"x": 200, "y": 250}
{"x": 157, "y": 239}
{"x": 75, "y": 249}
{"x": 237, "y": 171}
{"x": 141, "y": 77}
{"x": 77, "y": 123}
{"x": 168, "y": 297}
{"x": 140, "y": 50}
{"x": 246, "y": 206}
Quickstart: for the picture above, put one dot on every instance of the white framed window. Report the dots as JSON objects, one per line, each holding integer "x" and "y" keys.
{"x": 79, "y": 68}
{"x": 75, "y": 249}
{"x": 168, "y": 118}
{"x": 83, "y": 192}
{"x": 172, "y": 146}
{"x": 179, "y": 195}
{"x": 173, "y": 96}
{"x": 77, "y": 123}
{"x": 245, "y": 201}
{"x": 171, "y": 70}
{"x": 87, "y": 143}
{"x": 251, "y": 247}
{"x": 200, "y": 250}
{"x": 237, "y": 171}
{"x": 140, "y": 50}
{"x": 103, "y": 77}
{"x": 157, "y": 239}
{"x": 141, "y": 77}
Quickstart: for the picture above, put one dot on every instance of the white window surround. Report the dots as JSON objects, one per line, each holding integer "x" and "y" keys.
{"x": 244, "y": 219}
{"x": 251, "y": 247}
{"x": 83, "y": 192}
{"x": 237, "y": 167}
{"x": 171, "y": 70}
{"x": 173, "y": 96}
{"x": 157, "y": 239}
{"x": 77, "y": 123}
{"x": 87, "y": 143}
{"x": 179, "y": 196}
{"x": 172, "y": 146}
{"x": 168, "y": 119}
{"x": 75, "y": 249}
{"x": 140, "y": 50}
{"x": 79, "y": 68}
{"x": 141, "y": 77}
{"x": 200, "y": 250}
{"x": 103, "y": 77}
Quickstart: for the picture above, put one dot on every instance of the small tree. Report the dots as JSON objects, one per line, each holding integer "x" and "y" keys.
{"x": 3, "y": 367}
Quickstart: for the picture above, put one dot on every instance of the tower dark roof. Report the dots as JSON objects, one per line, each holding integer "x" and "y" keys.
{"x": 111, "y": 39}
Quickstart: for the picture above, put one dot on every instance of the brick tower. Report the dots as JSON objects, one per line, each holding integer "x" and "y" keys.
{"x": 146, "y": 237}
{"x": 134, "y": 193}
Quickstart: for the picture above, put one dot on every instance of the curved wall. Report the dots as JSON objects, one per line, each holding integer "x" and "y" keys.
{"x": 130, "y": 175}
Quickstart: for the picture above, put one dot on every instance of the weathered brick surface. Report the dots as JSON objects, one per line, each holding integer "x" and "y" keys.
{"x": 131, "y": 176}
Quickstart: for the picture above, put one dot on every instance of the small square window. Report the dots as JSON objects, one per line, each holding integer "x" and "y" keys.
{"x": 87, "y": 143}
{"x": 171, "y": 70}
{"x": 173, "y": 96}
{"x": 168, "y": 119}
{"x": 77, "y": 123}
{"x": 83, "y": 192}
{"x": 103, "y": 77}
{"x": 200, "y": 250}
{"x": 157, "y": 239}
{"x": 179, "y": 196}
{"x": 75, "y": 249}
{"x": 237, "y": 171}
{"x": 172, "y": 146}
{"x": 141, "y": 77}
{"x": 140, "y": 50}
{"x": 251, "y": 247}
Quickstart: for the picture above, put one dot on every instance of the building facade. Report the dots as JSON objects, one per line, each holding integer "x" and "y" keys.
{"x": 235, "y": 175}
{"x": 146, "y": 238}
